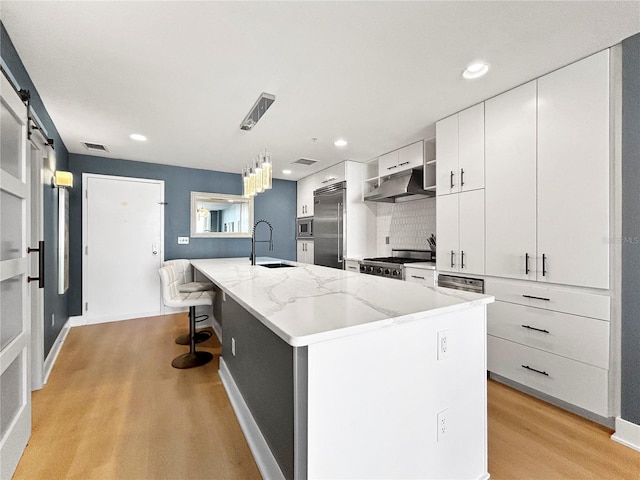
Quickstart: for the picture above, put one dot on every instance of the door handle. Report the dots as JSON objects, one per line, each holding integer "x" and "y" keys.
{"x": 452, "y": 254}
{"x": 40, "y": 276}
{"x": 544, "y": 265}
{"x": 526, "y": 264}
{"x": 451, "y": 180}
{"x": 462, "y": 259}
{"x": 462, "y": 177}
{"x": 339, "y": 239}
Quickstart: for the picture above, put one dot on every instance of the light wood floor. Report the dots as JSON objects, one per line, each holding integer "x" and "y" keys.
{"x": 114, "y": 408}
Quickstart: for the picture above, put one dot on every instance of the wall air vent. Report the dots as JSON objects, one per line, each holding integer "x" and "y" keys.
{"x": 94, "y": 147}
{"x": 305, "y": 161}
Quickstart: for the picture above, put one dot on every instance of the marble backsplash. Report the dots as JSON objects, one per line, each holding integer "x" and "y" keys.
{"x": 408, "y": 225}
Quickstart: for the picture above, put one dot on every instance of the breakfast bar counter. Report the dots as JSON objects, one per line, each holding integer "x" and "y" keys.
{"x": 335, "y": 374}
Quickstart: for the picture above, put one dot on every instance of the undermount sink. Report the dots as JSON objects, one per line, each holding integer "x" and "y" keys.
{"x": 276, "y": 265}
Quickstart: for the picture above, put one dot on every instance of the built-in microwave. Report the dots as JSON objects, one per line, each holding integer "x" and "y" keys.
{"x": 304, "y": 228}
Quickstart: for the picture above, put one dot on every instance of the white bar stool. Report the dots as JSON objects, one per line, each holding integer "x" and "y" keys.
{"x": 172, "y": 297}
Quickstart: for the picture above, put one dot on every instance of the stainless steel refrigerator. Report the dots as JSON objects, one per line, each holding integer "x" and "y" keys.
{"x": 329, "y": 217}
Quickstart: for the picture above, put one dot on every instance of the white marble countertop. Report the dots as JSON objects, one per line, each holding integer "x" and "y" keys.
{"x": 309, "y": 303}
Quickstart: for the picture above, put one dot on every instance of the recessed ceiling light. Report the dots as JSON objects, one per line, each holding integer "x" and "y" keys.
{"x": 340, "y": 143}
{"x": 475, "y": 70}
{"x": 137, "y": 137}
{"x": 286, "y": 172}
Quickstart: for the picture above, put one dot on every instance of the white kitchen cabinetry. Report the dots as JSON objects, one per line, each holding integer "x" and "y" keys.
{"x": 388, "y": 163}
{"x": 305, "y": 251}
{"x": 352, "y": 265}
{"x": 460, "y": 151}
{"x": 510, "y": 143}
{"x": 551, "y": 339}
{"x": 331, "y": 175}
{"x": 420, "y": 275}
{"x": 405, "y": 158}
{"x": 460, "y": 227}
{"x": 547, "y": 155}
{"x": 306, "y": 186}
{"x": 573, "y": 173}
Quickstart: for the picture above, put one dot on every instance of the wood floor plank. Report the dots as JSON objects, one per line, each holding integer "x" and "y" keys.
{"x": 115, "y": 409}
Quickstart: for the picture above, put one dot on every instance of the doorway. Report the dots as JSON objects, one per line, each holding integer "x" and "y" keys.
{"x": 122, "y": 246}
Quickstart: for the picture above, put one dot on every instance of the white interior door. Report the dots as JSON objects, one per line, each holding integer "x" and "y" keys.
{"x": 38, "y": 152}
{"x": 15, "y": 343}
{"x": 123, "y": 247}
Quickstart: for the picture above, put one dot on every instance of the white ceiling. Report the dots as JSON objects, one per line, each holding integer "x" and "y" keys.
{"x": 378, "y": 74}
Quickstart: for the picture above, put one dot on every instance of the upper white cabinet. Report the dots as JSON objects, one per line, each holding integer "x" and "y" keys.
{"x": 331, "y": 175}
{"x": 460, "y": 227}
{"x": 306, "y": 186}
{"x": 460, "y": 151}
{"x": 547, "y": 178}
{"x": 388, "y": 163}
{"x": 510, "y": 143}
{"x": 573, "y": 173}
{"x": 405, "y": 158}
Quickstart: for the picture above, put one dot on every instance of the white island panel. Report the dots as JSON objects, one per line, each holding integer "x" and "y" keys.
{"x": 373, "y": 402}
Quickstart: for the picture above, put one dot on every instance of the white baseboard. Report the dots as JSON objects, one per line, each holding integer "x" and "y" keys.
{"x": 627, "y": 433}
{"x": 55, "y": 350}
{"x": 265, "y": 460}
{"x": 81, "y": 320}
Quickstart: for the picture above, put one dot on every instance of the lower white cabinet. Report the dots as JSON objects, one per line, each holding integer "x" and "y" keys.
{"x": 352, "y": 266}
{"x": 551, "y": 339}
{"x": 420, "y": 275}
{"x": 577, "y": 383}
{"x": 305, "y": 251}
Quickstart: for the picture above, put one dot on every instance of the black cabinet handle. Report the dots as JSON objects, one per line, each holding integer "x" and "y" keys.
{"x": 451, "y": 179}
{"x": 452, "y": 254}
{"x": 537, "y": 298}
{"x": 392, "y": 167}
{"x": 462, "y": 259}
{"x": 40, "y": 276}
{"x": 534, "y": 370}
{"x": 404, "y": 163}
{"x": 416, "y": 276}
{"x": 526, "y": 264}
{"x": 544, "y": 265}
{"x": 528, "y": 327}
{"x": 462, "y": 177}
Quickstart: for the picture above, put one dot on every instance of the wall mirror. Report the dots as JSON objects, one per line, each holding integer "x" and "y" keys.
{"x": 221, "y": 215}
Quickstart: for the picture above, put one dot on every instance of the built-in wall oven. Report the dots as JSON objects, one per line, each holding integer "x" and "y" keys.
{"x": 304, "y": 227}
{"x": 474, "y": 285}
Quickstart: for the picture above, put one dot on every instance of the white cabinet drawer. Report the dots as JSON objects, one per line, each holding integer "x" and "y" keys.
{"x": 574, "y": 382}
{"x": 578, "y": 338}
{"x": 420, "y": 275}
{"x": 352, "y": 266}
{"x": 550, "y": 298}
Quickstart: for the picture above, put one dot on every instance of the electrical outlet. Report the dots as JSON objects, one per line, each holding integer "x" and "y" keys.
{"x": 443, "y": 424}
{"x": 443, "y": 344}
{"x": 183, "y": 240}
{"x": 233, "y": 346}
{"x": 386, "y": 240}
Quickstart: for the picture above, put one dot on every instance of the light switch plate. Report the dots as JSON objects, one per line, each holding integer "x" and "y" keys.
{"x": 183, "y": 240}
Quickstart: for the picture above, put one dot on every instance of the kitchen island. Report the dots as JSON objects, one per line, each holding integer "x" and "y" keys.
{"x": 334, "y": 374}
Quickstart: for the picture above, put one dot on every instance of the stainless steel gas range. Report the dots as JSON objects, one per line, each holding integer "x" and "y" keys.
{"x": 393, "y": 267}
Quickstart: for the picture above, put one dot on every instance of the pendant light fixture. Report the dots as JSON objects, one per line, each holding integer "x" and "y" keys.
{"x": 257, "y": 176}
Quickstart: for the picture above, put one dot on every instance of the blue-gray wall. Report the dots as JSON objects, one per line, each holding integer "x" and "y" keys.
{"x": 278, "y": 206}
{"x": 631, "y": 229}
{"x": 54, "y": 304}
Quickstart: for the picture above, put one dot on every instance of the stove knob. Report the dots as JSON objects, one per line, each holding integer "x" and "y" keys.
{"x": 370, "y": 269}
{"x": 379, "y": 271}
{"x": 386, "y": 272}
{"x": 363, "y": 268}
{"x": 396, "y": 273}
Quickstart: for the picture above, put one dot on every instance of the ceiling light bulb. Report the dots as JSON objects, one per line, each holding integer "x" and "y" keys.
{"x": 137, "y": 137}
{"x": 286, "y": 172}
{"x": 340, "y": 143}
{"x": 475, "y": 70}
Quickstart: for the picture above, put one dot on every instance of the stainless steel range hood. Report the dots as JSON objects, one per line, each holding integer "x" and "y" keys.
{"x": 401, "y": 185}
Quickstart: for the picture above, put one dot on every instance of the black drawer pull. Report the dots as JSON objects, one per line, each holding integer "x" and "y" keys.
{"x": 534, "y": 328}
{"x": 537, "y": 298}
{"x": 534, "y": 370}
{"x": 416, "y": 276}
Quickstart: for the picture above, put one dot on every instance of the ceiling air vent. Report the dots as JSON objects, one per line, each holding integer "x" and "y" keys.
{"x": 305, "y": 161}
{"x": 95, "y": 147}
